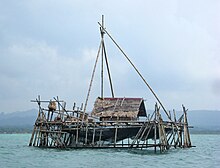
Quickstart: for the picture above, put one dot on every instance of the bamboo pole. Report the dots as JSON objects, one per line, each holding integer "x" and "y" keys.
{"x": 100, "y": 137}
{"x": 116, "y": 134}
{"x": 93, "y": 136}
{"x": 86, "y": 136}
{"x": 91, "y": 81}
{"x": 187, "y": 142}
{"x": 77, "y": 132}
{"x": 155, "y": 130}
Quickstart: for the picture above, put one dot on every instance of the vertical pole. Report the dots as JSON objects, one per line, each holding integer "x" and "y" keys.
{"x": 102, "y": 58}
{"x": 47, "y": 139}
{"x": 93, "y": 136}
{"x": 48, "y": 115}
{"x": 64, "y": 139}
{"x": 159, "y": 131}
{"x": 174, "y": 140}
{"x": 102, "y": 84}
{"x": 86, "y": 134}
{"x": 32, "y": 136}
{"x": 34, "y": 133}
{"x": 116, "y": 134}
{"x": 35, "y": 137}
{"x": 39, "y": 138}
{"x": 51, "y": 117}
{"x": 174, "y": 115}
{"x": 155, "y": 130}
{"x": 155, "y": 136}
{"x": 100, "y": 137}
{"x": 187, "y": 142}
{"x": 181, "y": 138}
{"x": 77, "y": 130}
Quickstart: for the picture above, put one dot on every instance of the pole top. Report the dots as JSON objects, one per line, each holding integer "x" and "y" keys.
{"x": 102, "y": 27}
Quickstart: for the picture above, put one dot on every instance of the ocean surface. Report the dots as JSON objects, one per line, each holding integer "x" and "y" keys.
{"x": 14, "y": 152}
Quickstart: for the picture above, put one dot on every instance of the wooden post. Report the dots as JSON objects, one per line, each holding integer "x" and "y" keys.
{"x": 155, "y": 130}
{"x": 174, "y": 134}
{"x": 77, "y": 132}
{"x": 162, "y": 133}
{"x": 93, "y": 136}
{"x": 100, "y": 137}
{"x": 35, "y": 137}
{"x": 187, "y": 142}
{"x": 32, "y": 136}
{"x": 174, "y": 115}
{"x": 116, "y": 134}
{"x": 86, "y": 133}
{"x": 102, "y": 58}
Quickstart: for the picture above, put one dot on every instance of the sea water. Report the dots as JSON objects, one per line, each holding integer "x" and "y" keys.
{"x": 15, "y": 152}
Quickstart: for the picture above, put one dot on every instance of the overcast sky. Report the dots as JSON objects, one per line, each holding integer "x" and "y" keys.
{"x": 48, "y": 48}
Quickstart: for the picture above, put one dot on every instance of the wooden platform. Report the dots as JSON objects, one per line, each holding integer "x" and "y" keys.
{"x": 66, "y": 129}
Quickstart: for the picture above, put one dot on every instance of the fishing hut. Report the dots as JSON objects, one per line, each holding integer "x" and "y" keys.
{"x": 115, "y": 122}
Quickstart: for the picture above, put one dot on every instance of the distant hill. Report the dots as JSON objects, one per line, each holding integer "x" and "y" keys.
{"x": 204, "y": 121}
{"x": 19, "y": 122}
{"x": 19, "y": 118}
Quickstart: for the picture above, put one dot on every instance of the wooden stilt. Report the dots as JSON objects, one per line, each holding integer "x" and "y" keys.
{"x": 116, "y": 134}
{"x": 93, "y": 136}
{"x": 100, "y": 137}
{"x": 86, "y": 137}
{"x": 187, "y": 141}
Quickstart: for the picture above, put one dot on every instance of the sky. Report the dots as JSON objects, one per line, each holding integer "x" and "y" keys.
{"x": 48, "y": 48}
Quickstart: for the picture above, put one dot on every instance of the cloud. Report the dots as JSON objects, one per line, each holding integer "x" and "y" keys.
{"x": 49, "y": 48}
{"x": 31, "y": 68}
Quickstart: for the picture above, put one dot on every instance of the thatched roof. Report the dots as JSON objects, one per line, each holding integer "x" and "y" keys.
{"x": 119, "y": 107}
